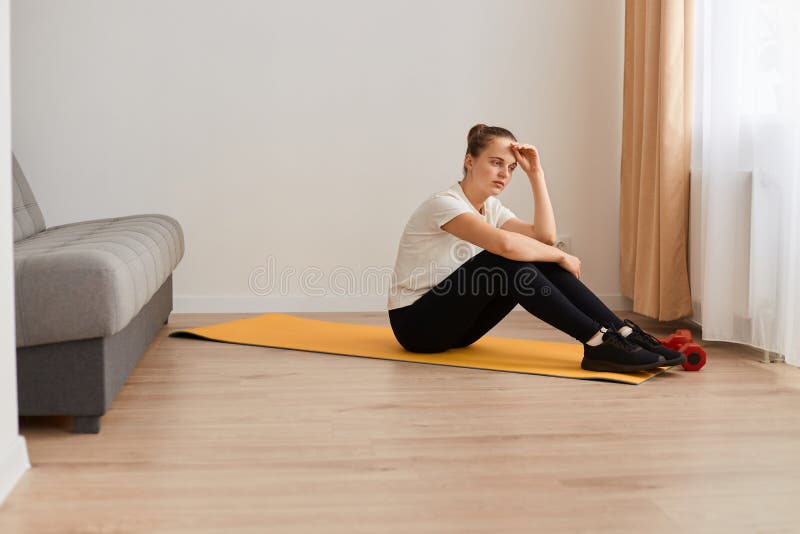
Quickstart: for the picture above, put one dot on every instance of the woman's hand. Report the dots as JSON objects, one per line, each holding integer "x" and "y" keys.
{"x": 570, "y": 263}
{"x": 527, "y": 156}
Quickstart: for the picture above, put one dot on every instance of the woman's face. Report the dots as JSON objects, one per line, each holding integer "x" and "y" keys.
{"x": 492, "y": 169}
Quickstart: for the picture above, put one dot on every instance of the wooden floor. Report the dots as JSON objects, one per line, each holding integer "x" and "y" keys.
{"x": 212, "y": 437}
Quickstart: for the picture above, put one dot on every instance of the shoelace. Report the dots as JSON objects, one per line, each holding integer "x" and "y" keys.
{"x": 641, "y": 333}
{"x": 616, "y": 339}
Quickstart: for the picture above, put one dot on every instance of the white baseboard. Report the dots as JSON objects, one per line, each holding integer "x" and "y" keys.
{"x": 200, "y": 304}
{"x": 13, "y": 464}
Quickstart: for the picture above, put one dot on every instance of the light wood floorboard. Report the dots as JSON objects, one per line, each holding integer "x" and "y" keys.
{"x": 211, "y": 437}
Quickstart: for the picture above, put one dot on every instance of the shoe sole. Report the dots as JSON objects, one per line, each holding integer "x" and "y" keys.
{"x": 600, "y": 365}
{"x": 672, "y": 363}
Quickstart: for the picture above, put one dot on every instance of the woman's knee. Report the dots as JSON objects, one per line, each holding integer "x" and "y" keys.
{"x": 490, "y": 259}
{"x": 513, "y": 266}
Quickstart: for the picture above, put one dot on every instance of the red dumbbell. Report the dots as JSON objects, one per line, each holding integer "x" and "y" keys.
{"x": 682, "y": 341}
{"x": 678, "y": 339}
{"x": 695, "y": 356}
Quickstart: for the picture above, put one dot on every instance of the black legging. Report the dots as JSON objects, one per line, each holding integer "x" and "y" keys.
{"x": 475, "y": 297}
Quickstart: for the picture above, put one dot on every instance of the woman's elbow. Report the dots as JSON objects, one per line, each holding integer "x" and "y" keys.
{"x": 504, "y": 246}
{"x": 547, "y": 239}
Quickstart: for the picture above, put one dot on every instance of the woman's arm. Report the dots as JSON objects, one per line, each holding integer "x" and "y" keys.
{"x": 544, "y": 221}
{"x": 511, "y": 245}
{"x": 544, "y": 227}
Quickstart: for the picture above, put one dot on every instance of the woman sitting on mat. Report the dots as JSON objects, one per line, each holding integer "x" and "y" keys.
{"x": 465, "y": 260}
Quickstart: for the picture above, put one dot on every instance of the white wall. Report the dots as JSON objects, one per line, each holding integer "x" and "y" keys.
{"x": 13, "y": 452}
{"x": 308, "y": 132}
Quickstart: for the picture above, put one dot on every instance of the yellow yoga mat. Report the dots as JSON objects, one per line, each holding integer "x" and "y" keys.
{"x": 490, "y": 353}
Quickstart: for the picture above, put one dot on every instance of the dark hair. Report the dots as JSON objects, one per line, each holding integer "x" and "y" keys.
{"x": 480, "y": 136}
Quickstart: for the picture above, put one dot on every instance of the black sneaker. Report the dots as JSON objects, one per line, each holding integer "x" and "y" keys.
{"x": 617, "y": 354}
{"x": 648, "y": 342}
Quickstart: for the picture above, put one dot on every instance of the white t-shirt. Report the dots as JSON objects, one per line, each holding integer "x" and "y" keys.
{"x": 427, "y": 254}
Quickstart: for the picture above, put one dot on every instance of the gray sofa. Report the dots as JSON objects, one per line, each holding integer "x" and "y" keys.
{"x": 90, "y": 297}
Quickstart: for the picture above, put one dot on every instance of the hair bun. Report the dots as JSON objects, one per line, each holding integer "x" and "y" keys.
{"x": 475, "y": 130}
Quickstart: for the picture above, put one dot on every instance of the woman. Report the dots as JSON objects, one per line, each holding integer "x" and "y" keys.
{"x": 465, "y": 261}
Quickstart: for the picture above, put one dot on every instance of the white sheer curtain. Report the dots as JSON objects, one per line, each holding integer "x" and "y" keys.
{"x": 746, "y": 162}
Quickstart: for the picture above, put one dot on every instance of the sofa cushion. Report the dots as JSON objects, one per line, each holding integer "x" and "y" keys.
{"x": 89, "y": 279}
{"x": 28, "y": 218}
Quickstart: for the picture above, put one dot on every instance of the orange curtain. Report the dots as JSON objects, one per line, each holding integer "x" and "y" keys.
{"x": 656, "y": 153}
